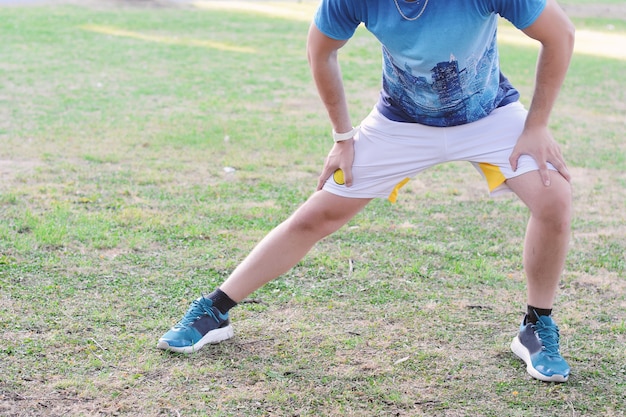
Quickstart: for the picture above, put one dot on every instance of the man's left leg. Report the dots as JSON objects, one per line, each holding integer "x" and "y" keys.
{"x": 545, "y": 249}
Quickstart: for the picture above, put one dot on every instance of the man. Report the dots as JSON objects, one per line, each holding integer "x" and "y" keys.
{"x": 443, "y": 98}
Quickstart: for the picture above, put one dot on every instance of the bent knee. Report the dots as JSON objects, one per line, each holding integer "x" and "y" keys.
{"x": 551, "y": 205}
{"x": 554, "y": 210}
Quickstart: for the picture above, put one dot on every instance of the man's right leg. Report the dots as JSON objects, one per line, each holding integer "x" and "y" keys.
{"x": 322, "y": 214}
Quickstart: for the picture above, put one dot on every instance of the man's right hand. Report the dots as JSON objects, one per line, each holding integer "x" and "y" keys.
{"x": 341, "y": 156}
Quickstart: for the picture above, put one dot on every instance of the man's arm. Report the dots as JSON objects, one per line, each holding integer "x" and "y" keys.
{"x": 322, "y": 55}
{"x": 555, "y": 32}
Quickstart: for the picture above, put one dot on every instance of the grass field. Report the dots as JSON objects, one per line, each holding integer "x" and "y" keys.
{"x": 145, "y": 150}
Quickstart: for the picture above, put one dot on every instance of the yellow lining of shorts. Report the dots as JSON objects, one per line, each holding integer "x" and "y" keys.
{"x": 493, "y": 175}
{"x": 394, "y": 193}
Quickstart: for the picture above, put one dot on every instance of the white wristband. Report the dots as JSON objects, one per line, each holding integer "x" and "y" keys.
{"x": 339, "y": 137}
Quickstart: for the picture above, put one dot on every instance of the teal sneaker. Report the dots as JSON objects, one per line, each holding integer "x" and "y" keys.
{"x": 538, "y": 346}
{"x": 202, "y": 324}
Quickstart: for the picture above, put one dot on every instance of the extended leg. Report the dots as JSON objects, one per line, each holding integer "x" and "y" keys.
{"x": 283, "y": 247}
{"x": 206, "y": 321}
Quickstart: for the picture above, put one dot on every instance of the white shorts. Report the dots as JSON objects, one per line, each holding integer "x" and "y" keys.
{"x": 388, "y": 154}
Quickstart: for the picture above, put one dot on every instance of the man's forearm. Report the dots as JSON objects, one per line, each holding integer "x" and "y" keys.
{"x": 327, "y": 76}
{"x": 552, "y": 66}
{"x": 556, "y": 33}
{"x": 322, "y": 54}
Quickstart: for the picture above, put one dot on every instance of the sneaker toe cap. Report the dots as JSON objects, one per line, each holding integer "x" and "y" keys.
{"x": 179, "y": 338}
{"x": 550, "y": 367}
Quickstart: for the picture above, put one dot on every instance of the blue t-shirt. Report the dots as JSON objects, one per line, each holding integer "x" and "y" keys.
{"x": 441, "y": 68}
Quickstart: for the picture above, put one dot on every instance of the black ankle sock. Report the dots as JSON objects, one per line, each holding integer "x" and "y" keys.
{"x": 533, "y": 313}
{"x": 221, "y": 301}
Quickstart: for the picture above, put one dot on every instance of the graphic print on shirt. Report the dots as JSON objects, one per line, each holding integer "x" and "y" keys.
{"x": 452, "y": 96}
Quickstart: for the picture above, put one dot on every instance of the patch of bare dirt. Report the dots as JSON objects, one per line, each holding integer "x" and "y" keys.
{"x": 10, "y": 168}
{"x": 100, "y": 3}
{"x": 614, "y": 11}
{"x": 607, "y": 11}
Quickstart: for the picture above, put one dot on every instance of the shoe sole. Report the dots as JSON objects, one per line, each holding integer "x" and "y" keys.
{"x": 211, "y": 338}
{"x": 520, "y": 350}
